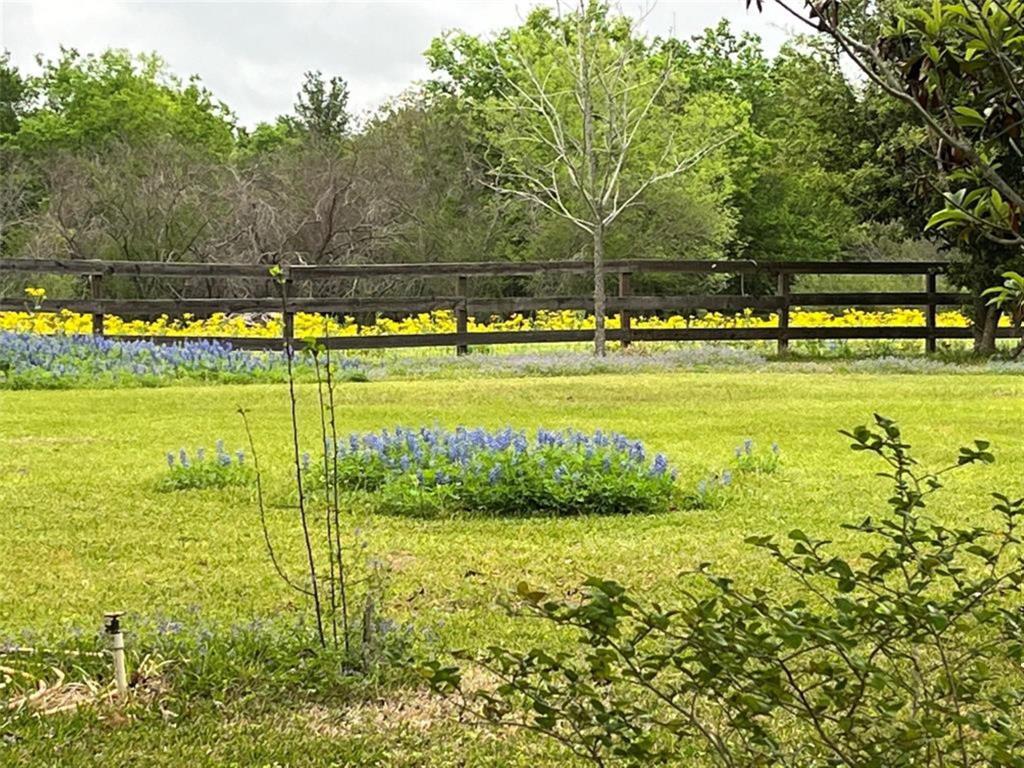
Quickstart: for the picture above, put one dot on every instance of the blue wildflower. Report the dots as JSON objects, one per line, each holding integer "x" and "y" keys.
{"x": 660, "y": 465}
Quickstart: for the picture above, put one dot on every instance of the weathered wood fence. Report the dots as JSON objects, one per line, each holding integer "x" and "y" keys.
{"x": 464, "y": 305}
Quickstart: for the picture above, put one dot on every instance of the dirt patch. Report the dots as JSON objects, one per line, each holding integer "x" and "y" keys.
{"x": 415, "y": 709}
{"x": 400, "y": 560}
{"x": 46, "y": 690}
{"x": 419, "y": 711}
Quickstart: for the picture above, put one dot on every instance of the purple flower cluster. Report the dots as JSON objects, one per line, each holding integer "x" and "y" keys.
{"x": 34, "y": 361}
{"x": 750, "y": 459}
{"x": 402, "y": 448}
{"x": 196, "y": 470}
{"x": 506, "y": 471}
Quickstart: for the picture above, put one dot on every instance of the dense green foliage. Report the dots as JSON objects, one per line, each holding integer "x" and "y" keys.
{"x": 112, "y": 156}
{"x": 944, "y": 80}
{"x": 86, "y": 103}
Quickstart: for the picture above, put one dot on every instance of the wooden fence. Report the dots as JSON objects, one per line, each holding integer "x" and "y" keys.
{"x": 623, "y": 302}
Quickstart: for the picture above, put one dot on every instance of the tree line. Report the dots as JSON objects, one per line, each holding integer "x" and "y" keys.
{"x": 570, "y": 135}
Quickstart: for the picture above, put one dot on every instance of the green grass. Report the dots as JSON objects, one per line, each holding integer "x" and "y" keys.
{"x": 85, "y": 528}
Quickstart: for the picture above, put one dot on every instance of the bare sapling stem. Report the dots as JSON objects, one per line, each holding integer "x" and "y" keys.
{"x": 289, "y": 350}
{"x": 325, "y": 442}
{"x": 338, "y": 551}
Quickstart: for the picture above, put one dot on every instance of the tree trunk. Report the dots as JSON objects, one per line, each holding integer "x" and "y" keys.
{"x": 599, "y": 292}
{"x": 986, "y": 326}
{"x": 591, "y": 189}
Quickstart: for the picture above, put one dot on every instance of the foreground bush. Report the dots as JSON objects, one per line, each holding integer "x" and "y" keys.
{"x": 909, "y": 655}
{"x": 503, "y": 473}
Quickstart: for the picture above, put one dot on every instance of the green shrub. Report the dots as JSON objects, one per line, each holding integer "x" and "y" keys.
{"x": 431, "y": 472}
{"x": 909, "y": 655}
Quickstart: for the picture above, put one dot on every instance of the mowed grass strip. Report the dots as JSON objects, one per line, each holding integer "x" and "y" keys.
{"x": 85, "y": 528}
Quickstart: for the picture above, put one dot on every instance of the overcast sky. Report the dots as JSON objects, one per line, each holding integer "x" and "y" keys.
{"x": 252, "y": 54}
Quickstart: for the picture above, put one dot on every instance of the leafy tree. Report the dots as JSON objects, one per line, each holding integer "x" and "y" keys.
{"x": 958, "y": 68}
{"x": 266, "y": 138}
{"x": 18, "y": 191}
{"x": 15, "y": 92}
{"x": 322, "y": 106}
{"x": 798, "y": 205}
{"x": 1010, "y": 297}
{"x": 85, "y": 103}
{"x": 423, "y": 156}
{"x": 320, "y": 114}
{"x": 794, "y": 191}
{"x": 583, "y": 123}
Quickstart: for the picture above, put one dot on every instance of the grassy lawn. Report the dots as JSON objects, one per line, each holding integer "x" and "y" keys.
{"x": 86, "y": 530}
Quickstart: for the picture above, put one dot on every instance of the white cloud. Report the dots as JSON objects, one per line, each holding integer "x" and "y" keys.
{"x": 252, "y": 54}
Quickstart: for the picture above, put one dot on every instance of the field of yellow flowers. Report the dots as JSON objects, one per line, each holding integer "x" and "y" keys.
{"x": 443, "y": 321}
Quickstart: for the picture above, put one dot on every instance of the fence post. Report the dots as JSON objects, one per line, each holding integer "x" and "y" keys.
{"x": 784, "y": 294}
{"x": 931, "y": 314}
{"x": 96, "y": 293}
{"x": 461, "y": 312}
{"x": 626, "y": 320}
{"x": 287, "y": 317}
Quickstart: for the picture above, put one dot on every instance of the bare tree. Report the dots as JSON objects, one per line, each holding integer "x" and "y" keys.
{"x": 310, "y": 203}
{"x": 130, "y": 202}
{"x": 583, "y": 125}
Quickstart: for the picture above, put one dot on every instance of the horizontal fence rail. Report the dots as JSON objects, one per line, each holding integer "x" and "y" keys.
{"x": 465, "y": 268}
{"x": 625, "y": 304}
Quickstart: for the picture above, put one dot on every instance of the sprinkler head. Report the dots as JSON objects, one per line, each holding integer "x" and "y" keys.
{"x": 112, "y": 622}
